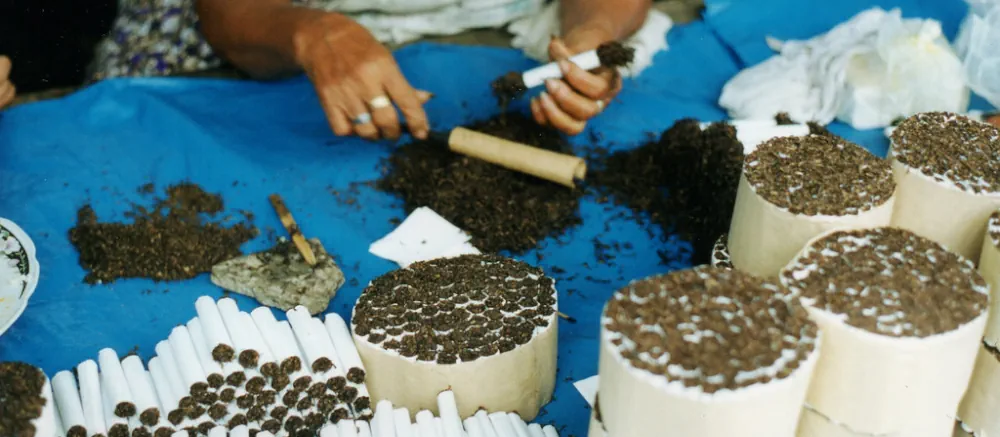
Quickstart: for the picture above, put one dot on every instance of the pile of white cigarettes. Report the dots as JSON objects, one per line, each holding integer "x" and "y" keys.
{"x": 232, "y": 373}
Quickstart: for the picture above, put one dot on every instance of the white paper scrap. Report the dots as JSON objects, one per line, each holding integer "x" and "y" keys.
{"x": 588, "y": 389}
{"x": 753, "y": 133}
{"x": 424, "y": 235}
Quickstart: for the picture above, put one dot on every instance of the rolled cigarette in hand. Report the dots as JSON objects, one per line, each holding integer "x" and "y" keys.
{"x": 550, "y": 431}
{"x": 142, "y": 391}
{"x": 215, "y": 374}
{"x": 502, "y": 425}
{"x": 448, "y": 410}
{"x": 246, "y": 355}
{"x": 384, "y": 423}
{"x": 520, "y": 428}
{"x": 90, "y": 397}
{"x": 169, "y": 399}
{"x": 347, "y": 428}
{"x": 401, "y": 421}
{"x": 486, "y": 424}
{"x": 113, "y": 383}
{"x": 545, "y": 164}
{"x": 215, "y": 330}
{"x": 425, "y": 423}
{"x": 193, "y": 376}
{"x": 364, "y": 430}
{"x": 67, "y": 398}
{"x": 536, "y": 430}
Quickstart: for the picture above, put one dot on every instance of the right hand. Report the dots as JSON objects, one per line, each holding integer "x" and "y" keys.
{"x": 7, "y": 90}
{"x": 349, "y": 69}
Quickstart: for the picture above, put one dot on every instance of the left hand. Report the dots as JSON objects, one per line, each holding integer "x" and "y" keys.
{"x": 568, "y": 104}
{"x": 7, "y": 90}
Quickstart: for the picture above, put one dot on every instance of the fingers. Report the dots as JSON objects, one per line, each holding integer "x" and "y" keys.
{"x": 595, "y": 85}
{"x": 7, "y": 93}
{"x": 558, "y": 118}
{"x": 357, "y": 109}
{"x": 409, "y": 103}
{"x": 336, "y": 114}
{"x": 574, "y": 104}
{"x": 538, "y": 113}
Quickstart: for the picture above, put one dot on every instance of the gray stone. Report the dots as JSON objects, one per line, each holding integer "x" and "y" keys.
{"x": 281, "y": 278}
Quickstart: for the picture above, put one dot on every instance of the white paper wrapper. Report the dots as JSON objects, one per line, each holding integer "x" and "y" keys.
{"x": 173, "y": 374}
{"x": 197, "y": 333}
{"x": 502, "y": 424}
{"x": 315, "y": 343}
{"x": 940, "y": 211}
{"x": 90, "y": 397}
{"x": 979, "y": 407}
{"x": 989, "y": 267}
{"x": 347, "y": 428}
{"x": 550, "y": 431}
{"x": 67, "y": 397}
{"x": 473, "y": 429}
{"x": 257, "y": 339}
{"x": 486, "y": 424}
{"x": 402, "y": 423}
{"x": 384, "y": 425}
{"x": 425, "y": 423}
{"x": 364, "y": 430}
{"x": 536, "y": 430}
{"x": 537, "y": 76}
{"x": 448, "y": 410}
{"x": 140, "y": 387}
{"x": 269, "y": 329}
{"x": 763, "y": 238}
{"x": 187, "y": 358}
{"x": 211, "y": 321}
{"x": 113, "y": 382}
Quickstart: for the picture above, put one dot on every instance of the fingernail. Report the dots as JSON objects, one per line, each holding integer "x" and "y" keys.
{"x": 421, "y": 134}
{"x": 564, "y": 66}
{"x": 553, "y": 85}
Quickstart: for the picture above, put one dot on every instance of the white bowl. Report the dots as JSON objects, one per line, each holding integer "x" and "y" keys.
{"x": 19, "y": 272}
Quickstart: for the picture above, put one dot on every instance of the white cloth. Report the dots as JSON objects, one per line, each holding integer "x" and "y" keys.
{"x": 424, "y": 235}
{"x": 867, "y": 72}
{"x": 976, "y": 44}
{"x": 533, "y": 32}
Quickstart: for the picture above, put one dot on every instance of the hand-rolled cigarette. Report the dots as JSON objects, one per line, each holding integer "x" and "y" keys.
{"x": 169, "y": 399}
{"x": 401, "y": 421}
{"x": 439, "y": 426}
{"x": 448, "y": 410}
{"x": 192, "y": 374}
{"x": 218, "y": 431}
{"x": 502, "y": 424}
{"x": 544, "y": 164}
{"x": 264, "y": 434}
{"x": 327, "y": 344}
{"x": 383, "y": 424}
{"x": 343, "y": 343}
{"x": 142, "y": 390}
{"x": 285, "y": 354}
{"x": 169, "y": 362}
{"x": 347, "y": 428}
{"x": 180, "y": 434}
{"x": 316, "y": 345}
{"x": 415, "y": 430}
{"x": 117, "y": 426}
{"x": 246, "y": 355}
{"x": 425, "y": 423}
{"x": 113, "y": 383}
{"x": 90, "y": 397}
{"x": 257, "y": 340}
{"x": 473, "y": 428}
{"x": 67, "y": 398}
{"x": 50, "y": 411}
{"x": 215, "y": 330}
{"x": 364, "y": 430}
{"x": 520, "y": 428}
{"x": 329, "y": 430}
{"x": 550, "y": 431}
{"x": 484, "y": 421}
{"x": 215, "y": 374}
{"x": 536, "y": 430}
{"x": 612, "y": 55}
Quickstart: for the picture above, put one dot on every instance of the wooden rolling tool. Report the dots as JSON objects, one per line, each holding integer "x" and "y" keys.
{"x": 545, "y": 164}
{"x": 293, "y": 229}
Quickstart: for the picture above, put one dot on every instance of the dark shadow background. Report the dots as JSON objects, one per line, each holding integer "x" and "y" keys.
{"x": 50, "y": 42}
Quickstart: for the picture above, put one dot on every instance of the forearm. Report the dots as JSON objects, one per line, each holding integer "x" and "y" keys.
{"x": 257, "y": 36}
{"x": 619, "y": 18}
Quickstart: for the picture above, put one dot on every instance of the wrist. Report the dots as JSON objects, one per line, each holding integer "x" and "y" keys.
{"x": 310, "y": 27}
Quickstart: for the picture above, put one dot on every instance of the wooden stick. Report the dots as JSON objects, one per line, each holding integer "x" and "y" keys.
{"x": 293, "y": 229}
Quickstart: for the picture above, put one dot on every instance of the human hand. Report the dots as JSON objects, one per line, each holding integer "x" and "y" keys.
{"x": 357, "y": 79}
{"x": 7, "y": 90}
{"x": 569, "y": 103}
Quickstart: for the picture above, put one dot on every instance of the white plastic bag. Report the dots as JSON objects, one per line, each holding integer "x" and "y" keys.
{"x": 400, "y": 28}
{"x": 976, "y": 44}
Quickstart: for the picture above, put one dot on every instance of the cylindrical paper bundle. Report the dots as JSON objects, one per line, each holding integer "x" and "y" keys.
{"x": 90, "y": 397}
{"x": 194, "y": 376}
{"x": 401, "y": 421}
{"x": 67, "y": 397}
{"x": 165, "y": 391}
{"x": 113, "y": 383}
{"x": 486, "y": 424}
{"x": 142, "y": 391}
{"x": 215, "y": 330}
{"x": 748, "y": 351}
{"x": 897, "y": 357}
{"x": 448, "y": 410}
{"x": 514, "y": 371}
{"x": 947, "y": 167}
{"x": 246, "y": 355}
{"x": 216, "y": 376}
{"x": 791, "y": 191}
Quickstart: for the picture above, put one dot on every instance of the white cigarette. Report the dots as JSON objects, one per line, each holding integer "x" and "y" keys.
{"x": 215, "y": 330}
{"x": 550, "y": 431}
{"x": 425, "y": 422}
{"x": 169, "y": 361}
{"x": 486, "y": 424}
{"x": 110, "y": 418}
{"x": 67, "y": 398}
{"x": 182, "y": 434}
{"x": 364, "y": 430}
{"x": 328, "y": 431}
{"x": 267, "y": 325}
{"x": 264, "y": 434}
{"x": 257, "y": 339}
{"x": 473, "y": 427}
{"x": 284, "y": 330}
{"x": 161, "y": 382}
{"x": 90, "y": 397}
{"x": 142, "y": 390}
{"x": 114, "y": 384}
{"x": 310, "y": 341}
{"x": 439, "y": 426}
{"x": 401, "y": 421}
{"x": 212, "y": 368}
{"x": 448, "y": 410}
{"x": 230, "y": 313}
{"x": 383, "y": 424}
{"x": 52, "y": 405}
{"x": 537, "y": 76}
{"x": 347, "y": 428}
{"x": 501, "y": 423}
{"x": 520, "y": 428}
{"x": 415, "y": 430}
{"x": 193, "y": 376}
{"x": 343, "y": 342}
{"x": 326, "y": 343}
{"x": 536, "y": 430}
{"x": 218, "y": 431}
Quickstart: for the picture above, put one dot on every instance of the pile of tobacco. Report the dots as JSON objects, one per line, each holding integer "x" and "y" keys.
{"x": 177, "y": 239}
{"x": 502, "y": 209}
